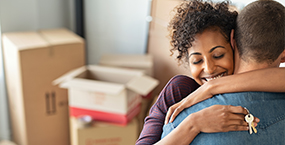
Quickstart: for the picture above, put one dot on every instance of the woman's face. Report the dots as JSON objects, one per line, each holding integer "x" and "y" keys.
{"x": 210, "y": 56}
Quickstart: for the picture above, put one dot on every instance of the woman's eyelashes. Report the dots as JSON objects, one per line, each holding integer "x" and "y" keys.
{"x": 219, "y": 56}
{"x": 197, "y": 61}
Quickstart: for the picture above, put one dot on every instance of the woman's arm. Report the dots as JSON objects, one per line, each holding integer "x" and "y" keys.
{"x": 183, "y": 134}
{"x": 216, "y": 118}
{"x": 265, "y": 80}
{"x": 175, "y": 90}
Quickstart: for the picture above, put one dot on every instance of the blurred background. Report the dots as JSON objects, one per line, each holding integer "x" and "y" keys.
{"x": 107, "y": 27}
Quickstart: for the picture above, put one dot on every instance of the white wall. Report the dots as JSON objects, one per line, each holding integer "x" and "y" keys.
{"x": 29, "y": 15}
{"x": 5, "y": 132}
{"x": 242, "y": 3}
{"x": 115, "y": 26}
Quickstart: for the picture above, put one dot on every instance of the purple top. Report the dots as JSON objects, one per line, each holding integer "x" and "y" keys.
{"x": 175, "y": 90}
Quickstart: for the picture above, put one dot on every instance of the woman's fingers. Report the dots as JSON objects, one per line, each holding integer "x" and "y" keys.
{"x": 240, "y": 110}
{"x": 240, "y": 117}
{"x": 177, "y": 111}
{"x": 237, "y": 128}
{"x": 256, "y": 119}
{"x": 223, "y": 118}
{"x": 236, "y": 125}
{"x": 237, "y": 109}
{"x": 237, "y": 122}
{"x": 168, "y": 114}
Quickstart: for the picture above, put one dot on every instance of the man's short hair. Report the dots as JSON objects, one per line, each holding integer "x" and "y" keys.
{"x": 260, "y": 32}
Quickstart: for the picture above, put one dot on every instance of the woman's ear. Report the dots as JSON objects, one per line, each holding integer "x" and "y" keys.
{"x": 232, "y": 39}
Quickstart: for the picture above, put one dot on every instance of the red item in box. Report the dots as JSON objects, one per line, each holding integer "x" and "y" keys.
{"x": 121, "y": 119}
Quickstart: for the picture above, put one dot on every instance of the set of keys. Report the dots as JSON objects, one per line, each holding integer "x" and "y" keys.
{"x": 249, "y": 119}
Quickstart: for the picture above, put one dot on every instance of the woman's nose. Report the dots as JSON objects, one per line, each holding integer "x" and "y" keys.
{"x": 209, "y": 67}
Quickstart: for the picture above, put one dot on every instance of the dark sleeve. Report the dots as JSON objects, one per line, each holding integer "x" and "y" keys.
{"x": 175, "y": 90}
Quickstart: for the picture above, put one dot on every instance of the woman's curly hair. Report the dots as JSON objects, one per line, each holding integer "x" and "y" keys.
{"x": 194, "y": 17}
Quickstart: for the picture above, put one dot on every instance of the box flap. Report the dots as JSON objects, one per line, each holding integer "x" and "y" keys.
{"x": 93, "y": 85}
{"x": 127, "y": 60}
{"x": 24, "y": 40}
{"x": 142, "y": 84}
{"x": 60, "y": 36}
{"x": 69, "y": 75}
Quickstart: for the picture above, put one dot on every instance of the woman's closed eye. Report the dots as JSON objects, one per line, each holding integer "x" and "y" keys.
{"x": 197, "y": 61}
{"x": 219, "y": 56}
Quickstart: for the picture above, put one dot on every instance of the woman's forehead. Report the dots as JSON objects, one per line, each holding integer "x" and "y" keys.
{"x": 207, "y": 40}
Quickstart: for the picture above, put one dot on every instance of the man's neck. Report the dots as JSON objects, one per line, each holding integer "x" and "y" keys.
{"x": 250, "y": 65}
{"x": 243, "y": 66}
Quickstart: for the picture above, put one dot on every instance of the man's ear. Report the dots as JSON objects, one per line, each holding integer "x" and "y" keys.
{"x": 232, "y": 39}
{"x": 283, "y": 56}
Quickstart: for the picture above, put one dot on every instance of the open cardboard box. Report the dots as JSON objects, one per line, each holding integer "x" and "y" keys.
{"x": 133, "y": 61}
{"x": 106, "y": 93}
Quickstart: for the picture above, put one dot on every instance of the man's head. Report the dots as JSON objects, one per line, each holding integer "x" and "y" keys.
{"x": 260, "y": 33}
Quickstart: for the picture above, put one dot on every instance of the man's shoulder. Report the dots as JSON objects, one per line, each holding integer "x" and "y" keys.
{"x": 250, "y": 96}
{"x": 253, "y": 94}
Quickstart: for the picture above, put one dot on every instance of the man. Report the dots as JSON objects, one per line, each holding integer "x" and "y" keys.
{"x": 260, "y": 43}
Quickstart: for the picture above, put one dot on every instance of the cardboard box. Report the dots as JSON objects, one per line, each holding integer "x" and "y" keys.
{"x": 6, "y": 142}
{"x": 133, "y": 61}
{"x": 165, "y": 66}
{"x": 101, "y": 133}
{"x": 32, "y": 60}
{"x": 106, "y": 93}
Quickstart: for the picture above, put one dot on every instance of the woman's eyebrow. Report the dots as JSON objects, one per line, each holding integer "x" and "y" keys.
{"x": 215, "y": 48}
{"x": 195, "y": 53}
{"x": 211, "y": 50}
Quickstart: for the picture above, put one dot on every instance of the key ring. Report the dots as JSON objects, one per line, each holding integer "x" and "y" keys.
{"x": 246, "y": 109}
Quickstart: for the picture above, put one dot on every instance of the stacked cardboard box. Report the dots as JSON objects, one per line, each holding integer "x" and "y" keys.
{"x": 39, "y": 110}
{"x": 111, "y": 96}
{"x": 102, "y": 133}
{"x": 106, "y": 93}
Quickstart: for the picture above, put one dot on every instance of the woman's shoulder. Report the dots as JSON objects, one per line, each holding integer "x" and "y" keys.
{"x": 179, "y": 86}
{"x": 183, "y": 79}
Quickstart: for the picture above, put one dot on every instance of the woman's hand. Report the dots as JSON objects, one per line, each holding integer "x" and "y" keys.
{"x": 202, "y": 93}
{"x": 172, "y": 110}
{"x": 221, "y": 118}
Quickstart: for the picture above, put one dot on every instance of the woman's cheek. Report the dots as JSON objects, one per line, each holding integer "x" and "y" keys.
{"x": 229, "y": 65}
{"x": 195, "y": 72}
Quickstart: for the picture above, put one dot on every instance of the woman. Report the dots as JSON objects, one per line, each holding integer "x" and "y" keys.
{"x": 202, "y": 31}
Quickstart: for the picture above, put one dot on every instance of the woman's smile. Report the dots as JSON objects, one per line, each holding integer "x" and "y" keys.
{"x": 209, "y": 78}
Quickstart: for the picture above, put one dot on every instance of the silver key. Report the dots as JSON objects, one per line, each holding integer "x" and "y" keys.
{"x": 249, "y": 119}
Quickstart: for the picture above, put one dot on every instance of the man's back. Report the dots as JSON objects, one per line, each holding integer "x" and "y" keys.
{"x": 268, "y": 107}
